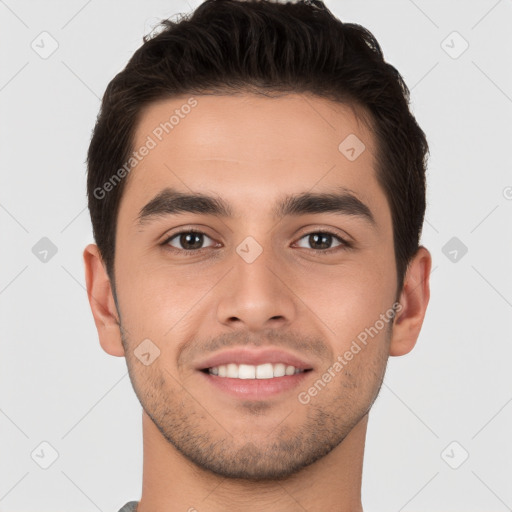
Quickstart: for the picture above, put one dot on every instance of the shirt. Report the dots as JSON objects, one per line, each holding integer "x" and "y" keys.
{"x": 131, "y": 506}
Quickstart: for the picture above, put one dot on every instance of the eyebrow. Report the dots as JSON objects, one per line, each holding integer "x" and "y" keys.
{"x": 172, "y": 202}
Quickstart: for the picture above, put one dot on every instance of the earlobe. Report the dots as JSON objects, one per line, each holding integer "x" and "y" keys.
{"x": 101, "y": 300}
{"x": 414, "y": 300}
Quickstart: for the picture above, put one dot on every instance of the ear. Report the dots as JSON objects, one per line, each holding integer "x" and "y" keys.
{"x": 101, "y": 300}
{"x": 414, "y": 300}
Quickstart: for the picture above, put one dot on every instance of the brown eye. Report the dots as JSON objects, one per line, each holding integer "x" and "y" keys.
{"x": 322, "y": 241}
{"x": 187, "y": 240}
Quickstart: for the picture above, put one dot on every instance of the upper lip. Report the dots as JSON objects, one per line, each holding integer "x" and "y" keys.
{"x": 254, "y": 357}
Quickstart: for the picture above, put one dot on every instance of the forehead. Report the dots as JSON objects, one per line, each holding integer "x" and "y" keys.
{"x": 233, "y": 145}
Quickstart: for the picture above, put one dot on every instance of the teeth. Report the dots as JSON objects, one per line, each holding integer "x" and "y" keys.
{"x": 264, "y": 371}
{"x": 290, "y": 370}
{"x": 244, "y": 371}
{"x": 249, "y": 371}
{"x": 232, "y": 369}
{"x": 280, "y": 370}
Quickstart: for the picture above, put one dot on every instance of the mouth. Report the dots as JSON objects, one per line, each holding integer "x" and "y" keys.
{"x": 249, "y": 386}
{"x": 249, "y": 363}
{"x": 248, "y": 371}
{"x": 254, "y": 375}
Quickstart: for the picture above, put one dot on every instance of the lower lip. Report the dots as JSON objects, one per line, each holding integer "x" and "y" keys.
{"x": 256, "y": 389}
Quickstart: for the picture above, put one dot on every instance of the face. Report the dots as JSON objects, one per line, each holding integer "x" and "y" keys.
{"x": 261, "y": 275}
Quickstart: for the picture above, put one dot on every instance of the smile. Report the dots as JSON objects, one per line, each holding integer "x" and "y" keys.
{"x": 248, "y": 371}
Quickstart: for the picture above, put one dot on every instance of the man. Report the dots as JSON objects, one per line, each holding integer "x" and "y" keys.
{"x": 256, "y": 185}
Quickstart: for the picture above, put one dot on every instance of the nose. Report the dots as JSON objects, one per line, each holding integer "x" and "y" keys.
{"x": 257, "y": 295}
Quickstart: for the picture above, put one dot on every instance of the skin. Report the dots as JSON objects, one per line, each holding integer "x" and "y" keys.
{"x": 205, "y": 450}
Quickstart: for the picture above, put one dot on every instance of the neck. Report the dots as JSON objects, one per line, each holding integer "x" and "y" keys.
{"x": 171, "y": 483}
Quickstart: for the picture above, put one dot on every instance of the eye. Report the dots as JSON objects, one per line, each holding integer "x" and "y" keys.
{"x": 321, "y": 241}
{"x": 191, "y": 241}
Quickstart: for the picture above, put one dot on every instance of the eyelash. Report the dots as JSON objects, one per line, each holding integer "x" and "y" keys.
{"x": 344, "y": 243}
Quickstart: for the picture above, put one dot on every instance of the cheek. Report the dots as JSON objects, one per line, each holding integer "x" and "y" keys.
{"x": 347, "y": 298}
{"x": 159, "y": 300}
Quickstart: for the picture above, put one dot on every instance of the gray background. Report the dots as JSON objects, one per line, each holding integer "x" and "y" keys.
{"x": 56, "y": 384}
